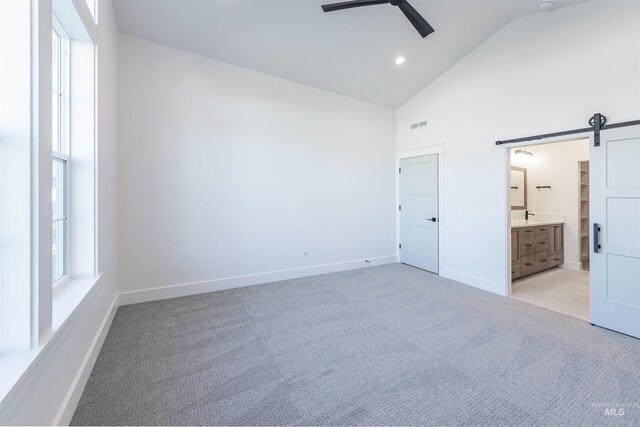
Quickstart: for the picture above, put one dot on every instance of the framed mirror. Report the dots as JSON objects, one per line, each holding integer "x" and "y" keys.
{"x": 518, "y": 188}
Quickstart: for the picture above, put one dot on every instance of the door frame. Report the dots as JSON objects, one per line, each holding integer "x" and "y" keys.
{"x": 437, "y": 149}
{"x": 507, "y": 193}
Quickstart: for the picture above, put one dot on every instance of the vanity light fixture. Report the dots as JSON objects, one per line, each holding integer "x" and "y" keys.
{"x": 524, "y": 152}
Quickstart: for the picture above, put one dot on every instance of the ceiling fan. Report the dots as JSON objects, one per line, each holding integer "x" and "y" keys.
{"x": 416, "y": 19}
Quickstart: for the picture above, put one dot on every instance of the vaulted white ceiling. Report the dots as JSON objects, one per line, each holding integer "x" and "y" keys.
{"x": 350, "y": 52}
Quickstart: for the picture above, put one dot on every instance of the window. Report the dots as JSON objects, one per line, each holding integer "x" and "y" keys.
{"x": 60, "y": 151}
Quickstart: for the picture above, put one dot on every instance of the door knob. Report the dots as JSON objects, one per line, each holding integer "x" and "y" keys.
{"x": 433, "y": 219}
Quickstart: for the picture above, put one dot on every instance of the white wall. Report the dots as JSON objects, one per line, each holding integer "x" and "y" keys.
{"x": 556, "y": 165}
{"x": 48, "y": 391}
{"x": 227, "y": 175}
{"x": 541, "y": 73}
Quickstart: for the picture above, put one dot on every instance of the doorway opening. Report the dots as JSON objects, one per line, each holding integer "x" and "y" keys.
{"x": 549, "y": 226}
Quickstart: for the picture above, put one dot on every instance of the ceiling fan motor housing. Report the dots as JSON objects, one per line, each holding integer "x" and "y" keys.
{"x": 420, "y": 24}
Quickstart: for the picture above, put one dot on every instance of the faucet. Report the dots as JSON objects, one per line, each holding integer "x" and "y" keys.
{"x": 527, "y": 214}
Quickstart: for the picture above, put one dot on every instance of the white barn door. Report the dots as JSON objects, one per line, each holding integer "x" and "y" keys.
{"x": 615, "y": 246}
{"x": 419, "y": 212}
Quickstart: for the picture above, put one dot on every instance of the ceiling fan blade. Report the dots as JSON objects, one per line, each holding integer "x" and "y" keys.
{"x": 416, "y": 19}
{"x": 349, "y": 4}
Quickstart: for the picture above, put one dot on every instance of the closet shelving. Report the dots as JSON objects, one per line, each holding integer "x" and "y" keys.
{"x": 583, "y": 171}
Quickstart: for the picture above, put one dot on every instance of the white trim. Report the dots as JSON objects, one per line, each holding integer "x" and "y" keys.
{"x": 416, "y": 152}
{"x": 27, "y": 368}
{"x": 572, "y": 265}
{"x": 506, "y": 168}
{"x": 467, "y": 279}
{"x": 70, "y": 296}
{"x": 508, "y": 279}
{"x": 174, "y": 291}
{"x": 421, "y": 151}
{"x": 75, "y": 17}
{"x": 96, "y": 148}
{"x": 72, "y": 398}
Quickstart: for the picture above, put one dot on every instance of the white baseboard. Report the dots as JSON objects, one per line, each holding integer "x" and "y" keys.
{"x": 80, "y": 381}
{"x": 174, "y": 291}
{"x": 476, "y": 282}
{"x": 571, "y": 265}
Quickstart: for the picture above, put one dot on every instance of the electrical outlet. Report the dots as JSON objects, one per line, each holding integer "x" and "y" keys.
{"x": 305, "y": 253}
{"x": 327, "y": 251}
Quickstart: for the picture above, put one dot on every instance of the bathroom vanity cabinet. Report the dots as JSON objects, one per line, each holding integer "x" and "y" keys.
{"x": 536, "y": 248}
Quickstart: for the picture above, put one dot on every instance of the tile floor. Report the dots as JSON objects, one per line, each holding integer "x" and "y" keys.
{"x": 564, "y": 291}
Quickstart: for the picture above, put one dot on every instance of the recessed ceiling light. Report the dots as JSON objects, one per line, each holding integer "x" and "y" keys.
{"x": 400, "y": 60}
{"x": 547, "y": 4}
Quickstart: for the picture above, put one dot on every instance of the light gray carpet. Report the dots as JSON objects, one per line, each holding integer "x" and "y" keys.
{"x": 389, "y": 345}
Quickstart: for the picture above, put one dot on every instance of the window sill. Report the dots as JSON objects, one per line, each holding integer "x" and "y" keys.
{"x": 67, "y": 298}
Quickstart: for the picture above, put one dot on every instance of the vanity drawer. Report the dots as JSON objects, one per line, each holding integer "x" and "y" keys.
{"x": 544, "y": 229}
{"x": 527, "y": 245}
{"x": 543, "y": 261}
{"x": 527, "y": 264}
{"x": 542, "y": 242}
{"x": 527, "y": 232}
{"x": 556, "y": 259}
{"x": 515, "y": 271}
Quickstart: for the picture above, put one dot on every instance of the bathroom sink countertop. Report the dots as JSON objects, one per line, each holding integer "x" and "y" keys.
{"x": 532, "y": 223}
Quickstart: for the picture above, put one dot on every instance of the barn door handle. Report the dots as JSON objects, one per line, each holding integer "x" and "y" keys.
{"x": 596, "y": 238}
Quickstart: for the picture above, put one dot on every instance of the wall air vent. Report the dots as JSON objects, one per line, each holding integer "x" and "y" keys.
{"x": 418, "y": 125}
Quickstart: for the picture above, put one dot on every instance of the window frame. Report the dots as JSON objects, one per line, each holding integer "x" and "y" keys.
{"x": 62, "y": 153}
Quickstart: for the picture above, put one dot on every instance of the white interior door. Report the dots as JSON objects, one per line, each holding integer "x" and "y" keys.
{"x": 615, "y": 209}
{"x": 419, "y": 212}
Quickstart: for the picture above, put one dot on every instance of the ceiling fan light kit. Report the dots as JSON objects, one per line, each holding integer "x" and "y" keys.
{"x": 412, "y": 15}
